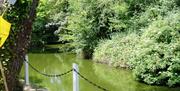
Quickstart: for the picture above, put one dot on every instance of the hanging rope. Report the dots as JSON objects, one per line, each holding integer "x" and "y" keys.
{"x": 94, "y": 84}
{"x": 48, "y": 75}
{"x": 62, "y": 74}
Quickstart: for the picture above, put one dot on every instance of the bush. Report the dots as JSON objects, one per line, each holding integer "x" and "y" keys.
{"x": 118, "y": 51}
{"x": 94, "y": 20}
{"x": 151, "y": 49}
{"x": 158, "y": 54}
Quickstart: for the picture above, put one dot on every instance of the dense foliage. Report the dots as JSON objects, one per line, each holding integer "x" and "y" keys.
{"x": 92, "y": 21}
{"x": 118, "y": 51}
{"x": 41, "y": 33}
{"x": 139, "y": 34}
{"x": 50, "y": 26}
{"x": 150, "y": 48}
{"x": 158, "y": 54}
{"x": 80, "y": 24}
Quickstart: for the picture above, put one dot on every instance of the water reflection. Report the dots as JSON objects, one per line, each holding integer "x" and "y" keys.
{"x": 110, "y": 78}
{"x": 122, "y": 80}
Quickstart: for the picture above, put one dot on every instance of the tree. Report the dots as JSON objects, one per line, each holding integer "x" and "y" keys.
{"x": 21, "y": 16}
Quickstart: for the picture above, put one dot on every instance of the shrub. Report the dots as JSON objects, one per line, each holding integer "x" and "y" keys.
{"x": 118, "y": 51}
{"x": 151, "y": 49}
{"x": 158, "y": 54}
{"x": 94, "y": 20}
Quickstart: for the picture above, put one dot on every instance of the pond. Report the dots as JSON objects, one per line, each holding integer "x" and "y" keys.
{"x": 103, "y": 75}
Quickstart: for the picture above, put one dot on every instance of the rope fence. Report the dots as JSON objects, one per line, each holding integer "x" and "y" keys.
{"x": 94, "y": 84}
{"x": 65, "y": 73}
{"x": 48, "y": 75}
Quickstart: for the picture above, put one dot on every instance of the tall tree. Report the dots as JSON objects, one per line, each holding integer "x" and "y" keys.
{"x": 20, "y": 47}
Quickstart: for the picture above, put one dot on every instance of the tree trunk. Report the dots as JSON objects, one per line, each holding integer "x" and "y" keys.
{"x": 20, "y": 49}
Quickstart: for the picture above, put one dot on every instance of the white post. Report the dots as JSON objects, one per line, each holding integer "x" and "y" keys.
{"x": 26, "y": 71}
{"x": 75, "y": 78}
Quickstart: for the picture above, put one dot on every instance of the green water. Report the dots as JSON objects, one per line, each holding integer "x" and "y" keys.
{"x": 105, "y": 76}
